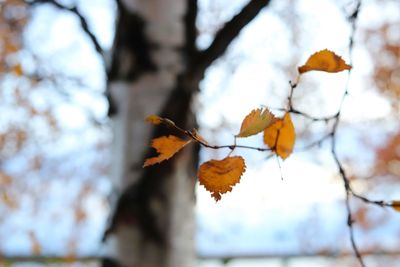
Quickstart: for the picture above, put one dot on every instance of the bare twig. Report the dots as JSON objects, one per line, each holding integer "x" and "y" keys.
{"x": 228, "y": 33}
{"x": 194, "y": 137}
{"x": 293, "y": 110}
{"x": 293, "y": 86}
{"x": 74, "y": 10}
{"x": 337, "y": 117}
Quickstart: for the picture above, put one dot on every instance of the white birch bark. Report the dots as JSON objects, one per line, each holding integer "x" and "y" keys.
{"x": 145, "y": 95}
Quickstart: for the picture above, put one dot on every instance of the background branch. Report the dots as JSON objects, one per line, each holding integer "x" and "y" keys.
{"x": 352, "y": 19}
{"x": 83, "y": 22}
{"x": 228, "y": 33}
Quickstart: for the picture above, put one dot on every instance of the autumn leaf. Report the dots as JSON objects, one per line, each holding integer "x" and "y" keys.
{"x": 153, "y": 119}
{"x": 219, "y": 176}
{"x": 280, "y": 136}
{"x": 324, "y": 60}
{"x": 255, "y": 122}
{"x": 166, "y": 146}
{"x": 396, "y": 205}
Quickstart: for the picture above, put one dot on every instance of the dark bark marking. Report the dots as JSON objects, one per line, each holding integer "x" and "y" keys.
{"x": 191, "y": 31}
{"x": 131, "y": 54}
{"x": 130, "y": 46}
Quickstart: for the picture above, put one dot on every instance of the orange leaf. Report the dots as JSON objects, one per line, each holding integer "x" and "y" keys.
{"x": 255, "y": 122}
{"x": 396, "y": 205}
{"x": 154, "y": 119}
{"x": 219, "y": 176}
{"x": 280, "y": 136}
{"x": 166, "y": 146}
{"x": 324, "y": 60}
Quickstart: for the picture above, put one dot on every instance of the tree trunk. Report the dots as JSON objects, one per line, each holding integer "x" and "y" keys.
{"x": 153, "y": 221}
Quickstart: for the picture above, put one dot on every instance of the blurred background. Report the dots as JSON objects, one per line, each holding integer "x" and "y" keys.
{"x": 55, "y": 135}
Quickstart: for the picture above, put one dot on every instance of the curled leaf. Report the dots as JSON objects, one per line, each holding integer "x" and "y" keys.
{"x": 166, "y": 146}
{"x": 153, "y": 119}
{"x": 396, "y": 205}
{"x": 255, "y": 122}
{"x": 219, "y": 176}
{"x": 280, "y": 136}
{"x": 324, "y": 60}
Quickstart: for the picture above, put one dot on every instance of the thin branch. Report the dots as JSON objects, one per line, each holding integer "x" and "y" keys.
{"x": 349, "y": 192}
{"x": 350, "y": 223}
{"x": 84, "y": 25}
{"x": 305, "y": 115}
{"x": 317, "y": 142}
{"x": 228, "y": 33}
{"x": 290, "y": 97}
{"x": 194, "y": 137}
{"x": 379, "y": 203}
{"x": 346, "y": 182}
{"x": 233, "y": 146}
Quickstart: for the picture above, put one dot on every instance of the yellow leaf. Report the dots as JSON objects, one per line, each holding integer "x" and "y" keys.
{"x": 396, "y": 205}
{"x": 280, "y": 136}
{"x": 219, "y": 176}
{"x": 166, "y": 146}
{"x": 154, "y": 119}
{"x": 324, "y": 60}
{"x": 255, "y": 122}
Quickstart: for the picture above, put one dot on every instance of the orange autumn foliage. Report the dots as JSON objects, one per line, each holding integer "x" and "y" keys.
{"x": 280, "y": 136}
{"x": 324, "y": 60}
{"x": 219, "y": 176}
{"x": 255, "y": 122}
{"x": 166, "y": 146}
